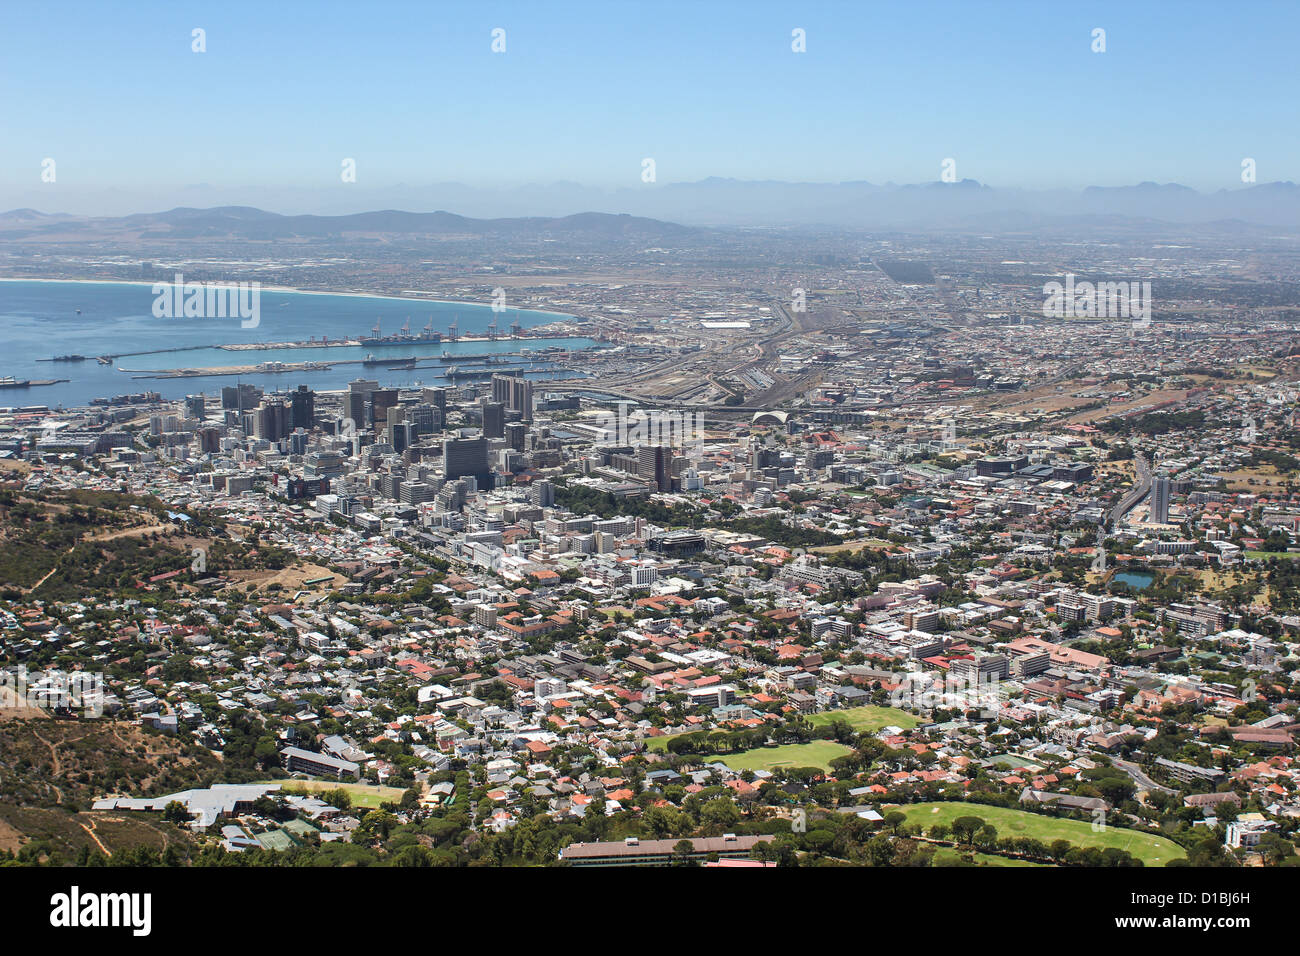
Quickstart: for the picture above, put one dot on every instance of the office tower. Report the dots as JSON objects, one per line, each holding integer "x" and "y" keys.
{"x": 194, "y": 407}
{"x": 209, "y": 440}
{"x": 426, "y": 418}
{"x": 401, "y": 435}
{"x": 416, "y": 492}
{"x": 494, "y": 420}
{"x": 516, "y": 433}
{"x": 462, "y": 457}
{"x": 358, "y": 398}
{"x": 521, "y": 398}
{"x": 242, "y": 398}
{"x": 1160, "y": 499}
{"x": 652, "y": 464}
{"x": 272, "y": 421}
{"x": 381, "y": 400}
{"x": 543, "y": 494}
{"x": 302, "y": 403}
{"x": 515, "y": 392}
{"x": 395, "y": 414}
{"x": 437, "y": 397}
{"x": 356, "y": 407}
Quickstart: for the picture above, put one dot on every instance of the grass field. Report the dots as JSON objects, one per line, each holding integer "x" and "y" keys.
{"x": 1151, "y": 850}
{"x": 867, "y": 719}
{"x": 818, "y": 753}
{"x": 364, "y": 795}
{"x": 659, "y": 745}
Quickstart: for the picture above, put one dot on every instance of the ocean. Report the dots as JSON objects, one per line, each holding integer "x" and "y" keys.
{"x": 40, "y": 320}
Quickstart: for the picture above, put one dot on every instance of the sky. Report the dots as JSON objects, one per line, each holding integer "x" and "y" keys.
{"x": 585, "y": 92}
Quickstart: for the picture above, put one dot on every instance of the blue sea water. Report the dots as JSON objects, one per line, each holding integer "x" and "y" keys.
{"x": 39, "y": 320}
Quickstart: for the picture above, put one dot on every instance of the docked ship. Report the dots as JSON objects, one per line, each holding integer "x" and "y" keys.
{"x": 8, "y": 381}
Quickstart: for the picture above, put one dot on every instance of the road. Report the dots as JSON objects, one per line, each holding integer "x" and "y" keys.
{"x": 1139, "y": 777}
{"x": 1141, "y": 488}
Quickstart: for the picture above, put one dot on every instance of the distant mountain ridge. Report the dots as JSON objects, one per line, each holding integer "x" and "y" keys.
{"x": 248, "y": 222}
{"x": 672, "y": 210}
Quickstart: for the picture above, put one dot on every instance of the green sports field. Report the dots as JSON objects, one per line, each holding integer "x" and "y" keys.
{"x": 818, "y": 753}
{"x": 867, "y": 719}
{"x": 1151, "y": 850}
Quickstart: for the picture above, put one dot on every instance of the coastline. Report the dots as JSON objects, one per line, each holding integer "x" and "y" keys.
{"x": 296, "y": 291}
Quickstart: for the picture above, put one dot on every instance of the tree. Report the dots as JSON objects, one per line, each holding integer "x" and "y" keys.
{"x": 175, "y": 812}
{"x": 682, "y": 853}
{"x": 965, "y": 828}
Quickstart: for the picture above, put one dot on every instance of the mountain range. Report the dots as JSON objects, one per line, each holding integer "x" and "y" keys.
{"x": 667, "y": 211}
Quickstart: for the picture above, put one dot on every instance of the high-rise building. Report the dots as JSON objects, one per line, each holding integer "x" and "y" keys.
{"x": 358, "y": 398}
{"x": 381, "y": 400}
{"x": 514, "y": 392}
{"x": 194, "y": 407}
{"x": 652, "y": 463}
{"x": 426, "y": 418}
{"x": 494, "y": 420}
{"x": 242, "y": 398}
{"x": 401, "y": 435}
{"x": 271, "y": 421}
{"x": 543, "y": 494}
{"x": 516, "y": 434}
{"x": 302, "y": 403}
{"x": 1160, "y": 499}
{"x": 467, "y": 456}
{"x": 437, "y": 397}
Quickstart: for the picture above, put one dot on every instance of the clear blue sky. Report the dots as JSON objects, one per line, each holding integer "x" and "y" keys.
{"x": 1012, "y": 91}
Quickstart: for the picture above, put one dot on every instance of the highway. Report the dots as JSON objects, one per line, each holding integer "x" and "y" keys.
{"x": 1141, "y": 488}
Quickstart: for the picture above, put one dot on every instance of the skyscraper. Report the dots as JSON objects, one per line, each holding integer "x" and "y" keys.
{"x": 494, "y": 420}
{"x": 1160, "y": 499}
{"x": 303, "y": 405}
{"x": 652, "y": 463}
{"x": 381, "y": 400}
{"x": 467, "y": 456}
{"x": 272, "y": 421}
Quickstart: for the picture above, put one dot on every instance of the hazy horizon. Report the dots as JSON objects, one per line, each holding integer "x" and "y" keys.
{"x": 274, "y": 105}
